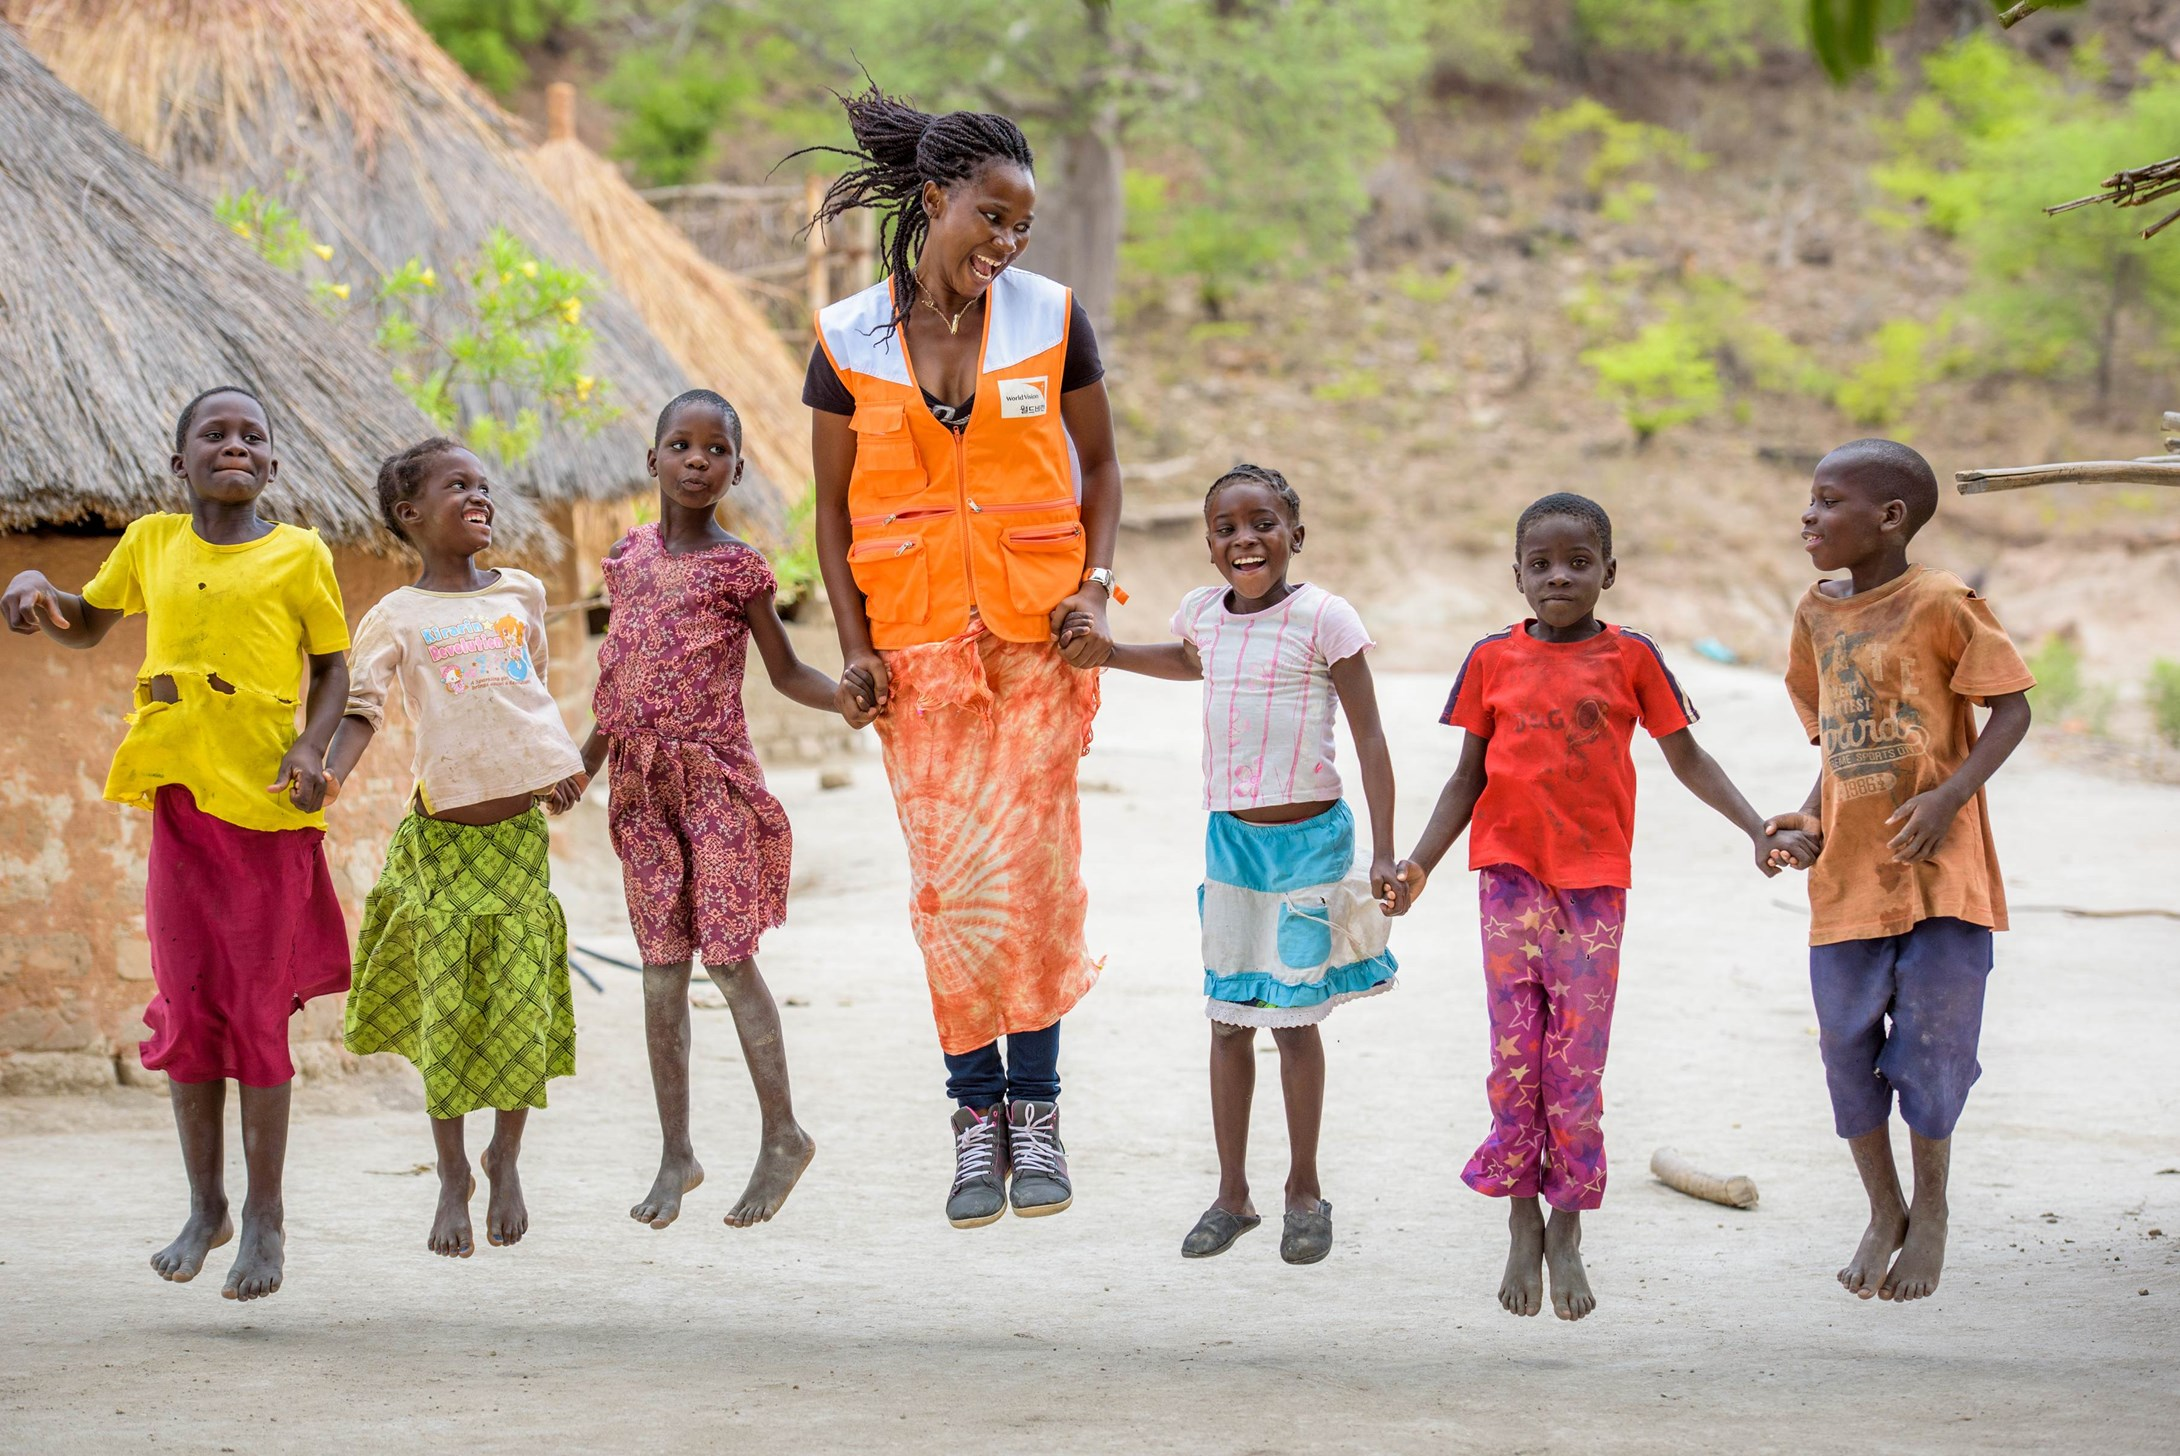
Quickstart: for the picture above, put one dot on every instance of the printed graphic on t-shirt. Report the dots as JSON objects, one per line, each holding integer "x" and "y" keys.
{"x": 1577, "y": 729}
{"x": 1867, "y": 723}
{"x": 471, "y": 654}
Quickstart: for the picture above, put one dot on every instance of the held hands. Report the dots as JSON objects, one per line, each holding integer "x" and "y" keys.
{"x": 1789, "y": 842}
{"x": 303, "y": 776}
{"x": 864, "y": 689}
{"x": 1923, "y": 820}
{"x": 566, "y": 794}
{"x": 1078, "y": 624}
{"x": 1397, "y": 886}
{"x": 29, "y": 597}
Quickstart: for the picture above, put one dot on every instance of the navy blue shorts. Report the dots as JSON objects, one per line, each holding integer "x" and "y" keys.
{"x": 1928, "y": 985}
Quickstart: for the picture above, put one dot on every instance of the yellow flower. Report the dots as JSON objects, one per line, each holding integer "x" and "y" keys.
{"x": 529, "y": 269}
{"x": 584, "y": 384}
{"x": 340, "y": 290}
{"x": 429, "y": 278}
{"x": 242, "y": 229}
{"x": 571, "y": 310}
{"x": 506, "y": 277}
{"x": 323, "y": 250}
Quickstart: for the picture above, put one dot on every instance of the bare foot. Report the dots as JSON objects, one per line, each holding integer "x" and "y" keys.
{"x": 1521, "y": 1291}
{"x": 1922, "y": 1257}
{"x": 506, "y": 1216}
{"x": 1867, "y": 1268}
{"x": 662, "y": 1205}
{"x": 1571, "y": 1297}
{"x": 779, "y": 1164}
{"x": 450, "y": 1234}
{"x": 204, "y": 1232}
{"x": 256, "y": 1271}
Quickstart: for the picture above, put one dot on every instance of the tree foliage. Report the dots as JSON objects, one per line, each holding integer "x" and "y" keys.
{"x": 489, "y": 37}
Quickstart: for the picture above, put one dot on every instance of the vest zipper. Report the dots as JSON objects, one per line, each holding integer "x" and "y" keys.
{"x": 924, "y": 513}
{"x": 1051, "y": 505}
{"x": 961, "y": 486}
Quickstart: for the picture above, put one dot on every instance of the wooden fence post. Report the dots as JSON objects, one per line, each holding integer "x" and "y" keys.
{"x": 814, "y": 245}
{"x": 559, "y": 112}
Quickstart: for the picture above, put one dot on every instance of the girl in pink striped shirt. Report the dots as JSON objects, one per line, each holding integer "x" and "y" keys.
{"x": 1290, "y": 928}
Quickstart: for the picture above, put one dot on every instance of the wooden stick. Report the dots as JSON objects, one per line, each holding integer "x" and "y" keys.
{"x": 559, "y": 112}
{"x": 2156, "y": 471}
{"x": 1682, "y": 1176}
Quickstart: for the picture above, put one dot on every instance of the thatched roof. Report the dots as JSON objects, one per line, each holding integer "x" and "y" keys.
{"x": 348, "y": 111}
{"x": 696, "y": 308}
{"x": 121, "y": 296}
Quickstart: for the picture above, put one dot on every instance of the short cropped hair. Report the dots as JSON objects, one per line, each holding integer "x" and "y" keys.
{"x": 1890, "y": 471}
{"x": 1574, "y": 507}
{"x": 188, "y": 415}
{"x": 705, "y": 397}
{"x": 401, "y": 476}
{"x": 1264, "y": 475}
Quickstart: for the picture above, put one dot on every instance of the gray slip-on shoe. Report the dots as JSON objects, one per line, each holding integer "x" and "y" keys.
{"x": 1041, "y": 1184}
{"x": 979, "y": 1194}
{"x": 1308, "y": 1237}
{"x": 1215, "y": 1233}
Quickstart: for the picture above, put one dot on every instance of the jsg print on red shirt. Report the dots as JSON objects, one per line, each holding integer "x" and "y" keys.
{"x": 1559, "y": 800}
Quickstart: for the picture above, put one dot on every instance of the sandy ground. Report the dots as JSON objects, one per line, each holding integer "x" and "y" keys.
{"x": 859, "y": 1320}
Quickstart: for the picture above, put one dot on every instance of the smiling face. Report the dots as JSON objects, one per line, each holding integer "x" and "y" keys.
{"x": 1847, "y": 520}
{"x": 1562, "y": 568}
{"x": 1251, "y": 538}
{"x": 697, "y": 459}
{"x": 451, "y": 512}
{"x": 227, "y": 452}
{"x": 978, "y": 227}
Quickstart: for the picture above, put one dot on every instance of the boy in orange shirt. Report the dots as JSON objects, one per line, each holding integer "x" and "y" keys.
{"x": 1885, "y": 668}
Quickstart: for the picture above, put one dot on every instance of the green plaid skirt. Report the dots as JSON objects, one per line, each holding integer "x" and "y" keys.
{"x": 462, "y": 964}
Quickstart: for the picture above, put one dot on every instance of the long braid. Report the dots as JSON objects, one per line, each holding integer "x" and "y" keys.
{"x": 900, "y": 149}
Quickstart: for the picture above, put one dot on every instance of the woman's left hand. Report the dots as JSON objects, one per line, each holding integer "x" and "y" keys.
{"x": 1078, "y": 623}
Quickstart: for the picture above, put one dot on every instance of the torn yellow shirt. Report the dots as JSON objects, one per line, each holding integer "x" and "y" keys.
{"x": 229, "y": 625}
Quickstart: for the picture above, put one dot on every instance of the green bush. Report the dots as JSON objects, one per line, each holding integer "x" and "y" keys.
{"x": 2164, "y": 699}
{"x": 1663, "y": 376}
{"x": 1886, "y": 385}
{"x": 1614, "y": 148}
{"x": 2057, "y": 665}
{"x": 487, "y": 37}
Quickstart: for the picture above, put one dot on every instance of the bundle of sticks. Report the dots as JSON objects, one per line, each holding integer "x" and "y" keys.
{"x": 2135, "y": 187}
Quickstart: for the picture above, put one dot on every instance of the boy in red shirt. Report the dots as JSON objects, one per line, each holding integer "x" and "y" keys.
{"x": 1549, "y": 706}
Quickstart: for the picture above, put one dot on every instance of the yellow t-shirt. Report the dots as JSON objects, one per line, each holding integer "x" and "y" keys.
{"x": 229, "y": 625}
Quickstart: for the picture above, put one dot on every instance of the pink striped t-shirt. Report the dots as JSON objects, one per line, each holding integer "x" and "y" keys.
{"x": 1268, "y": 698}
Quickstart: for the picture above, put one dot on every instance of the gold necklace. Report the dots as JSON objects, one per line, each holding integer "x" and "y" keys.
{"x": 953, "y": 325}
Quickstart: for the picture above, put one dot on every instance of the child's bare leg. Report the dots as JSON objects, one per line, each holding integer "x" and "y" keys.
{"x": 1302, "y": 1084}
{"x": 1521, "y": 1290}
{"x": 1571, "y": 1296}
{"x": 1233, "y": 1088}
{"x": 1922, "y": 1256}
{"x": 506, "y": 1216}
{"x": 784, "y": 1149}
{"x": 262, "y": 1251}
{"x": 1888, "y": 1212}
{"x": 198, "y": 1110}
{"x": 450, "y": 1232}
{"x": 666, "y": 1036}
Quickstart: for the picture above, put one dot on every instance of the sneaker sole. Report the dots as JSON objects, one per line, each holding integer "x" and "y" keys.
{"x": 970, "y": 1223}
{"x": 1045, "y": 1210}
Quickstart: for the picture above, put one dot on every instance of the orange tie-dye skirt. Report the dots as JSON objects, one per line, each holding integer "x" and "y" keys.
{"x": 982, "y": 739}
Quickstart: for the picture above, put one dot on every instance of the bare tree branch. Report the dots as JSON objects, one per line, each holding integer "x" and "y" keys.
{"x": 2018, "y": 13}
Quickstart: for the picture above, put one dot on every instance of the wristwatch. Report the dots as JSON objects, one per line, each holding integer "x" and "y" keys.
{"x": 1103, "y": 576}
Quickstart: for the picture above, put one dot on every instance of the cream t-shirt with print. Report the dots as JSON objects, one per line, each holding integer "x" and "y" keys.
{"x": 471, "y": 670}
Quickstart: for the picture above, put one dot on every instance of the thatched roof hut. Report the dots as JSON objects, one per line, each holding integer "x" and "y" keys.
{"x": 348, "y": 111}
{"x": 697, "y": 309}
{"x": 120, "y": 296}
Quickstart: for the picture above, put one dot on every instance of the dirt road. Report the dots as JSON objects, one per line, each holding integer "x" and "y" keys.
{"x": 859, "y": 1320}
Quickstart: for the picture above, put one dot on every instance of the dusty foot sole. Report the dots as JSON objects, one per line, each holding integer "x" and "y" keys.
{"x": 777, "y": 1172}
{"x": 662, "y": 1205}
{"x": 181, "y": 1267}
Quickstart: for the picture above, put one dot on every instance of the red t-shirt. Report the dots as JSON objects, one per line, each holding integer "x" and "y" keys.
{"x": 1559, "y": 799}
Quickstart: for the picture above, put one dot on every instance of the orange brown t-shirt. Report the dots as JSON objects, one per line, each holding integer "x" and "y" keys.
{"x": 1885, "y": 682}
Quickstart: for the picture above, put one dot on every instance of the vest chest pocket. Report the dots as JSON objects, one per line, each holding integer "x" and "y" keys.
{"x": 1044, "y": 564}
{"x": 894, "y": 576}
{"x": 885, "y": 455}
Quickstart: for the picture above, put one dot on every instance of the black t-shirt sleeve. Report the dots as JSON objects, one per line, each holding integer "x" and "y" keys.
{"x": 1083, "y": 368}
{"x": 821, "y": 386}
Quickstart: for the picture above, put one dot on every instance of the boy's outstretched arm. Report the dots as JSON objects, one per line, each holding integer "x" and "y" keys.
{"x": 1358, "y": 694}
{"x": 797, "y": 680}
{"x": 1707, "y": 781}
{"x": 1173, "y": 661}
{"x": 1924, "y": 819}
{"x": 303, "y": 770}
{"x": 34, "y": 604}
{"x": 1449, "y": 820}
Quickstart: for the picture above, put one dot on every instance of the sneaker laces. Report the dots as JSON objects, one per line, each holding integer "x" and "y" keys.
{"x": 1035, "y": 1143}
{"x": 976, "y": 1150}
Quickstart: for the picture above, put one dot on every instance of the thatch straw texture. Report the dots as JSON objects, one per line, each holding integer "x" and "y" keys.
{"x": 121, "y": 296}
{"x": 696, "y": 308}
{"x": 348, "y": 111}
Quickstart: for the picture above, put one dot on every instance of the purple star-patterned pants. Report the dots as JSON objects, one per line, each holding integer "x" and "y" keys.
{"x": 1551, "y": 966}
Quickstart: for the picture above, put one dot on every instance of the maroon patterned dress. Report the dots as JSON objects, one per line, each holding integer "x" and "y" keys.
{"x": 704, "y": 846}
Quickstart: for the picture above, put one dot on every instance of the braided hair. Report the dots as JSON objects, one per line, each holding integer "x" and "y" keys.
{"x": 1245, "y": 473}
{"x": 189, "y": 411}
{"x": 1574, "y": 507}
{"x": 900, "y": 149}
{"x": 401, "y": 477}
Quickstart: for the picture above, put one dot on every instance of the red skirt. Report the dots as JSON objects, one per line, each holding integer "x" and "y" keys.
{"x": 244, "y": 928}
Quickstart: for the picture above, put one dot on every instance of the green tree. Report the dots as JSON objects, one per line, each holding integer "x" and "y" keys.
{"x": 489, "y": 37}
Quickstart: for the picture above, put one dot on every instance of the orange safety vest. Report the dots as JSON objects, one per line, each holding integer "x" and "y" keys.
{"x": 987, "y": 520}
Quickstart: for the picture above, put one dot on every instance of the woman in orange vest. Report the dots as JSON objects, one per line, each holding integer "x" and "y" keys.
{"x": 967, "y": 498}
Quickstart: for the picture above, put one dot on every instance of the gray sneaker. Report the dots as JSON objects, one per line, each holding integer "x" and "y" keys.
{"x": 979, "y": 1194}
{"x": 1040, "y": 1162}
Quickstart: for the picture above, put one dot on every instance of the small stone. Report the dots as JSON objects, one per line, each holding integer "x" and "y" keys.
{"x": 835, "y": 778}
{"x": 796, "y": 1001}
